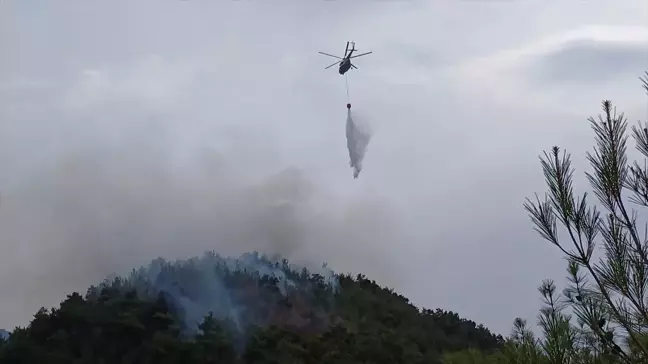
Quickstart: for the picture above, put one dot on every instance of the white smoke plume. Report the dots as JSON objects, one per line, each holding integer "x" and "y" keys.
{"x": 358, "y": 136}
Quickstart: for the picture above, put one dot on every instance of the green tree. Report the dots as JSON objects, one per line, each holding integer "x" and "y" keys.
{"x": 607, "y": 254}
{"x": 214, "y": 343}
{"x": 142, "y": 320}
{"x": 605, "y": 245}
{"x": 474, "y": 356}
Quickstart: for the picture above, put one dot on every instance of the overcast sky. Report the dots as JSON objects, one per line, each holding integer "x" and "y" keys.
{"x": 136, "y": 129}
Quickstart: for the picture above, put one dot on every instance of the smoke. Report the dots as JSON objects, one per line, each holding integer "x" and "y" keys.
{"x": 358, "y": 136}
{"x": 242, "y": 291}
{"x": 96, "y": 208}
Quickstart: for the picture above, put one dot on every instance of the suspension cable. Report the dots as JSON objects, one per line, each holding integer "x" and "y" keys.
{"x": 346, "y": 79}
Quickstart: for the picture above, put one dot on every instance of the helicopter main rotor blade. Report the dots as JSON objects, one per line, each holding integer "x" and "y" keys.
{"x": 330, "y": 55}
{"x": 332, "y": 65}
{"x": 361, "y": 54}
{"x": 352, "y": 65}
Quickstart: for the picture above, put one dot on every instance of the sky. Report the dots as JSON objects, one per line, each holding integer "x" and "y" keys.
{"x": 136, "y": 129}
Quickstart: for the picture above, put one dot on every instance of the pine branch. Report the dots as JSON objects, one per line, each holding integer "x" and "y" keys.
{"x": 625, "y": 269}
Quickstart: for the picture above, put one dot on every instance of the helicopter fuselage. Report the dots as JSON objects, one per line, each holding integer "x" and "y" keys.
{"x": 345, "y": 65}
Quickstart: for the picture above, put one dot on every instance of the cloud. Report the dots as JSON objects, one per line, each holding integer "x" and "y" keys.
{"x": 585, "y": 64}
{"x": 593, "y": 56}
{"x": 591, "y": 62}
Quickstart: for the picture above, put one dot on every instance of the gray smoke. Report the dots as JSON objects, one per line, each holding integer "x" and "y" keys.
{"x": 222, "y": 286}
{"x": 91, "y": 210}
{"x": 358, "y": 136}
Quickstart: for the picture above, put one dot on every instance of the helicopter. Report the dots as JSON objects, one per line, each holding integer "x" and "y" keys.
{"x": 345, "y": 62}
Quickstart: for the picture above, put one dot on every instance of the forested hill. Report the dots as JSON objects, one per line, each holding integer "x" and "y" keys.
{"x": 247, "y": 310}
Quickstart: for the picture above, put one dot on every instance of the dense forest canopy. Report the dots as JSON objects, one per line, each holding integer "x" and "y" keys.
{"x": 251, "y": 310}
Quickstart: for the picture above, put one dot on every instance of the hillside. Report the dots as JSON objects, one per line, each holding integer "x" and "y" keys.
{"x": 247, "y": 310}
